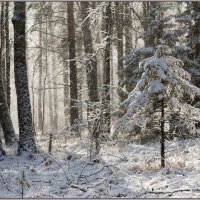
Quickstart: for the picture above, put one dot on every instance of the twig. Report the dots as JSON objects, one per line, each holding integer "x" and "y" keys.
{"x": 78, "y": 187}
{"x": 123, "y": 159}
{"x": 106, "y": 166}
{"x": 88, "y": 163}
{"x": 167, "y": 192}
{"x": 59, "y": 166}
{"x": 104, "y": 179}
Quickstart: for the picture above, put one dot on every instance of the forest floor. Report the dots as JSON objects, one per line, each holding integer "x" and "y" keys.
{"x": 123, "y": 170}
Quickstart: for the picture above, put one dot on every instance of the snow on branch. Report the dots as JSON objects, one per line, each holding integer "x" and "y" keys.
{"x": 163, "y": 77}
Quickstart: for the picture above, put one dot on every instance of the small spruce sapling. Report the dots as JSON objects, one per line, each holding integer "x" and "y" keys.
{"x": 158, "y": 95}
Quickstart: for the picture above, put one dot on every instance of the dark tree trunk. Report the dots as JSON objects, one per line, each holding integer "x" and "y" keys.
{"x": 120, "y": 42}
{"x": 7, "y": 53}
{"x": 2, "y": 61}
{"x": 72, "y": 63}
{"x": 91, "y": 68}
{"x": 162, "y": 141}
{"x": 5, "y": 118}
{"x": 90, "y": 58}
{"x": 128, "y": 41}
{"x": 26, "y": 134}
{"x": 127, "y": 29}
{"x": 107, "y": 63}
{"x": 2, "y": 152}
{"x": 148, "y": 15}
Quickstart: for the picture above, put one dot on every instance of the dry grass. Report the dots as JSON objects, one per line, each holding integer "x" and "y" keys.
{"x": 154, "y": 166}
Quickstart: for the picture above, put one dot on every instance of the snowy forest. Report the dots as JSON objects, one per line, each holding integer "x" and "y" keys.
{"x": 100, "y": 99}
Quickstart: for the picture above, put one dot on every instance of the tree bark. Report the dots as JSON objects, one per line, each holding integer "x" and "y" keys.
{"x": 2, "y": 152}
{"x": 5, "y": 118}
{"x": 66, "y": 86}
{"x": 55, "y": 93}
{"x": 120, "y": 52}
{"x": 106, "y": 78}
{"x": 127, "y": 29}
{"x": 148, "y": 15}
{"x": 40, "y": 65}
{"x": 2, "y": 61}
{"x": 26, "y": 134}
{"x": 91, "y": 69}
{"x": 72, "y": 63}
{"x": 162, "y": 141}
{"x": 7, "y": 53}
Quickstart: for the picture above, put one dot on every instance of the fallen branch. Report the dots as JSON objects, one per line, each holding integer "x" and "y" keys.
{"x": 106, "y": 166}
{"x": 167, "y": 192}
{"x": 78, "y": 187}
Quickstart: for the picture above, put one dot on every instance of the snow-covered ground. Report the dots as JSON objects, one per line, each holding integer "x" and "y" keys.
{"x": 123, "y": 170}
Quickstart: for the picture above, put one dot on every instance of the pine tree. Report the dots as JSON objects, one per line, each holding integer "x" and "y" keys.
{"x": 162, "y": 86}
{"x": 190, "y": 22}
{"x": 26, "y": 135}
{"x": 157, "y": 29}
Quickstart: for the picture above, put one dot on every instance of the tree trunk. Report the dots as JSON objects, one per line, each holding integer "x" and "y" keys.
{"x": 66, "y": 87}
{"x": 55, "y": 94}
{"x": 55, "y": 91}
{"x": 162, "y": 141}
{"x": 7, "y": 53}
{"x": 40, "y": 117}
{"x": 48, "y": 44}
{"x": 148, "y": 16}
{"x": 127, "y": 29}
{"x": 120, "y": 53}
{"x": 72, "y": 63}
{"x": 106, "y": 78}
{"x": 2, "y": 152}
{"x": 2, "y": 61}
{"x": 5, "y": 118}
{"x": 91, "y": 69}
{"x": 64, "y": 56}
{"x": 26, "y": 134}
